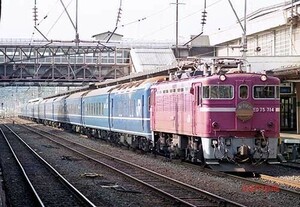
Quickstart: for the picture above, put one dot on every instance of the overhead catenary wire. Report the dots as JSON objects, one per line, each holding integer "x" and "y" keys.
{"x": 132, "y": 22}
{"x": 58, "y": 18}
{"x": 55, "y": 22}
{"x": 45, "y": 17}
{"x": 146, "y": 17}
{"x": 183, "y": 18}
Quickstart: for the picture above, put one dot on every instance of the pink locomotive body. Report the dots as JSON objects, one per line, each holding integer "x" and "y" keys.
{"x": 232, "y": 117}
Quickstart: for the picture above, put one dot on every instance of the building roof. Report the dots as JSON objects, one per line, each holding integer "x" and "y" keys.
{"x": 258, "y": 21}
{"x": 108, "y": 33}
{"x": 150, "y": 59}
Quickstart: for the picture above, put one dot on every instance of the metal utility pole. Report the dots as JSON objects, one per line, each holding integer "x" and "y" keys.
{"x": 176, "y": 29}
{"x": 0, "y": 8}
{"x": 76, "y": 29}
{"x": 76, "y": 23}
{"x": 244, "y": 37}
{"x": 176, "y": 46}
{"x": 245, "y": 31}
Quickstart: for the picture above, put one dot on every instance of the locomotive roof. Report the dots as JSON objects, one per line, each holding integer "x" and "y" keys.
{"x": 213, "y": 78}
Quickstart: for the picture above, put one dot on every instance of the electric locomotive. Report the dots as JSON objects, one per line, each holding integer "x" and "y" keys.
{"x": 223, "y": 115}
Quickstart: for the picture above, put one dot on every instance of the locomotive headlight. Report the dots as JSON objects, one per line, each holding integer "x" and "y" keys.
{"x": 222, "y": 77}
{"x": 263, "y": 78}
{"x": 214, "y": 125}
{"x": 228, "y": 141}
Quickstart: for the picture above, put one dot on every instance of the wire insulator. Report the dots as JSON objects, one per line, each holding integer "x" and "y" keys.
{"x": 35, "y": 14}
{"x": 204, "y": 15}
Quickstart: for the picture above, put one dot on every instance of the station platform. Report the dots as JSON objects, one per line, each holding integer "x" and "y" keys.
{"x": 289, "y": 135}
{"x": 289, "y": 145}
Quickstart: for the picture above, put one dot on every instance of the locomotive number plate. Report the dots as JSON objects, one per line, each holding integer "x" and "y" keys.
{"x": 264, "y": 109}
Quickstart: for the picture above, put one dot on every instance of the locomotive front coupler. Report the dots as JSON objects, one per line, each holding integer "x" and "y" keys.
{"x": 260, "y": 138}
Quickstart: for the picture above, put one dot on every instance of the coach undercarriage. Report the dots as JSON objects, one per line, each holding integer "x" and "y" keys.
{"x": 128, "y": 140}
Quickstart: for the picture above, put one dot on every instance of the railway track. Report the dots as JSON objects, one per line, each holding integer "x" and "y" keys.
{"x": 256, "y": 184}
{"x": 35, "y": 179}
{"x": 182, "y": 193}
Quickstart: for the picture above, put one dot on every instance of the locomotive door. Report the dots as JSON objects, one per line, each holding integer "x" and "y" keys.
{"x": 196, "y": 105}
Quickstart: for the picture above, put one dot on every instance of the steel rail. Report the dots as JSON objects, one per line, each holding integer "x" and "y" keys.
{"x": 38, "y": 199}
{"x": 82, "y": 197}
{"x": 206, "y": 193}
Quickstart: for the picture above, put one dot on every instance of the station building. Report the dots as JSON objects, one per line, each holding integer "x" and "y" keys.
{"x": 273, "y": 46}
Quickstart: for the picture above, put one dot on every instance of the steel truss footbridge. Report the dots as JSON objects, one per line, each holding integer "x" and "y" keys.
{"x": 61, "y": 63}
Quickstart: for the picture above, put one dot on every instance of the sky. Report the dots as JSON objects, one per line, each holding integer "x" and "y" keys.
{"x": 139, "y": 19}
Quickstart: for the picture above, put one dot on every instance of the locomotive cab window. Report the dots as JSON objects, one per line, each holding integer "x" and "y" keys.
{"x": 243, "y": 92}
{"x": 218, "y": 92}
{"x": 265, "y": 92}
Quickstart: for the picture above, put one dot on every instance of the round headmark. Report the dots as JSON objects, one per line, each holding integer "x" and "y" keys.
{"x": 244, "y": 111}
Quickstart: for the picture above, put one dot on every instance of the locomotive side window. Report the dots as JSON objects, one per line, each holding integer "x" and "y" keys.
{"x": 205, "y": 92}
{"x": 243, "y": 92}
{"x": 264, "y": 92}
{"x": 218, "y": 92}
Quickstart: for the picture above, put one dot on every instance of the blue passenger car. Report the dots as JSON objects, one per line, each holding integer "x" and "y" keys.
{"x": 36, "y": 110}
{"x": 96, "y": 109}
{"x": 59, "y": 109}
{"x": 130, "y": 112}
{"x": 48, "y": 107}
{"x": 29, "y": 110}
{"x": 74, "y": 108}
{"x": 42, "y": 112}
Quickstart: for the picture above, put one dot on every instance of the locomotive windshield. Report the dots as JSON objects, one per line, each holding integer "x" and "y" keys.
{"x": 266, "y": 92}
{"x": 218, "y": 92}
